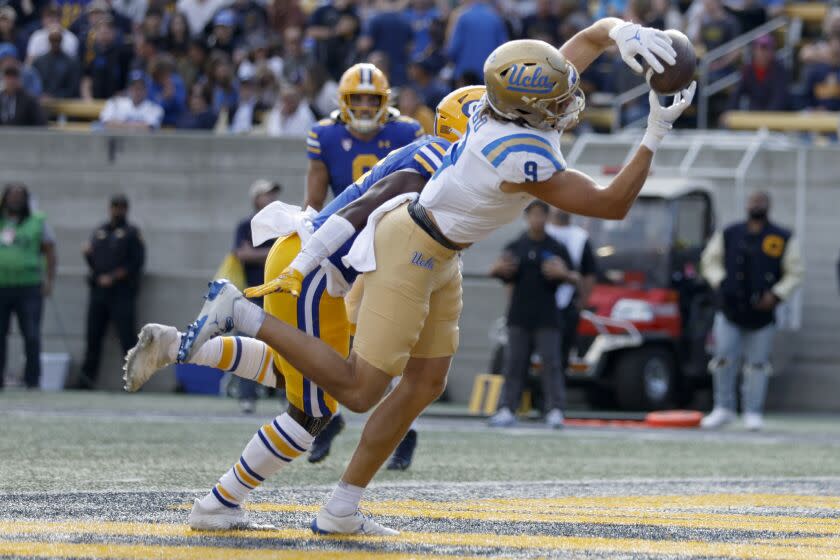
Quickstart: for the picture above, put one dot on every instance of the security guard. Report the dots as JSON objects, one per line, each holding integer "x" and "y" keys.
{"x": 754, "y": 265}
{"x": 115, "y": 255}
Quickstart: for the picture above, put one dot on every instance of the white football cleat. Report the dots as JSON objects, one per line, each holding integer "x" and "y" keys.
{"x": 503, "y": 418}
{"x": 753, "y": 421}
{"x": 222, "y": 519}
{"x": 215, "y": 318}
{"x": 354, "y": 524}
{"x": 718, "y": 418}
{"x": 554, "y": 419}
{"x": 149, "y": 355}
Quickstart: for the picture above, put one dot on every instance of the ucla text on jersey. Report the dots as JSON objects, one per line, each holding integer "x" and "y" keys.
{"x": 347, "y": 157}
{"x": 422, "y": 156}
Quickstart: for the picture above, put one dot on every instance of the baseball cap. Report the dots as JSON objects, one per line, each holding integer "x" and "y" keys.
{"x": 136, "y": 76}
{"x": 119, "y": 200}
{"x": 98, "y": 6}
{"x": 263, "y": 186}
{"x": 8, "y": 50}
{"x": 765, "y": 41}
{"x": 225, "y": 17}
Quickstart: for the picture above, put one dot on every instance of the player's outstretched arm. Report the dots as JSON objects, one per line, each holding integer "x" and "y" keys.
{"x": 578, "y": 193}
{"x": 317, "y": 184}
{"x": 631, "y": 39}
{"x": 335, "y": 232}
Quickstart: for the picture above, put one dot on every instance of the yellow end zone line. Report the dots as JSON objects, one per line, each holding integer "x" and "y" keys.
{"x": 144, "y": 552}
{"x": 759, "y": 549}
{"x": 694, "y": 520}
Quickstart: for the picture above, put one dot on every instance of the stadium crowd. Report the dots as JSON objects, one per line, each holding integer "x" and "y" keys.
{"x": 272, "y": 66}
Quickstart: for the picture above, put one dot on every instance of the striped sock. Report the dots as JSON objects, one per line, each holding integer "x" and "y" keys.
{"x": 242, "y": 356}
{"x": 273, "y": 446}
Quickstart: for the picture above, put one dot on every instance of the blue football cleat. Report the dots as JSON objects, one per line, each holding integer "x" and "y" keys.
{"x": 215, "y": 319}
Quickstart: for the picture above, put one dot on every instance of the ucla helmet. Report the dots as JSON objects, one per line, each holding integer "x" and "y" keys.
{"x": 453, "y": 112}
{"x": 530, "y": 81}
{"x": 362, "y": 79}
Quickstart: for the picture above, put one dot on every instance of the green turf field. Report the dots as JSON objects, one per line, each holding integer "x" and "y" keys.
{"x": 110, "y": 475}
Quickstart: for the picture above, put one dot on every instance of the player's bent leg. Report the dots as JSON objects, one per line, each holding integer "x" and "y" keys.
{"x": 275, "y": 445}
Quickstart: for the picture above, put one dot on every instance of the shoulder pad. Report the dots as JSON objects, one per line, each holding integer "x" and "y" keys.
{"x": 335, "y": 116}
{"x": 393, "y": 113}
{"x": 326, "y": 122}
{"x": 405, "y": 119}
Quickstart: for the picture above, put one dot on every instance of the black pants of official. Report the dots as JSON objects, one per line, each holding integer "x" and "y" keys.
{"x": 521, "y": 342}
{"x": 568, "y": 333}
{"x": 107, "y": 305}
{"x": 26, "y": 303}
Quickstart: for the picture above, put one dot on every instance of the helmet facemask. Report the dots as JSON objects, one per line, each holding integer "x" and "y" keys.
{"x": 363, "y": 115}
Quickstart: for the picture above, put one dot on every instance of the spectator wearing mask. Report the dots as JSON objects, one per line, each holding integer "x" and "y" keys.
{"x": 421, "y": 14}
{"x": 27, "y": 274}
{"x": 572, "y": 298}
{"x": 410, "y": 105}
{"x": 822, "y": 79}
{"x": 133, "y": 111}
{"x": 106, "y": 72}
{"x": 424, "y": 81}
{"x": 335, "y": 28}
{"x": 389, "y": 30}
{"x": 29, "y": 77}
{"x": 543, "y": 22}
{"x": 39, "y": 42}
{"x": 200, "y": 12}
{"x": 115, "y": 255}
{"x": 199, "y": 115}
{"x": 17, "y": 107}
{"x": 224, "y": 29}
{"x": 262, "y": 192}
{"x": 60, "y": 73}
{"x": 166, "y": 88}
{"x": 753, "y": 265}
{"x": 291, "y": 118}
{"x": 534, "y": 265}
{"x": 764, "y": 81}
{"x": 477, "y": 32}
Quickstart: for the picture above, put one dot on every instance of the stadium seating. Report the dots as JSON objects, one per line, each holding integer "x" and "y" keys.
{"x": 818, "y": 122}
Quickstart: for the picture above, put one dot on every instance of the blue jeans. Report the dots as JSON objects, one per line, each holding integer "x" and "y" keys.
{"x": 25, "y": 302}
{"x": 732, "y": 345}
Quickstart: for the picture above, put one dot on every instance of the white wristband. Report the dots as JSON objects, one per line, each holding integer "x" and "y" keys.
{"x": 324, "y": 242}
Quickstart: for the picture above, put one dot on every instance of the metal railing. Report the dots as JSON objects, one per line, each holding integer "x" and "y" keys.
{"x": 705, "y": 89}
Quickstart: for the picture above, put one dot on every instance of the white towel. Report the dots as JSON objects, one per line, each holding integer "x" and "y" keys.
{"x": 279, "y": 219}
{"x": 361, "y": 255}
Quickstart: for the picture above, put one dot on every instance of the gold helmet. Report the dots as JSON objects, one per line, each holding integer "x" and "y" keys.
{"x": 453, "y": 112}
{"x": 363, "y": 79}
{"x": 531, "y": 81}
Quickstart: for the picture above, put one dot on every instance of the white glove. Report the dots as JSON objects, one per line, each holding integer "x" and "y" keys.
{"x": 651, "y": 44}
{"x": 661, "y": 119}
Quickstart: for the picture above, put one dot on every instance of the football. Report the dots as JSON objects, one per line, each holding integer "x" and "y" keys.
{"x": 679, "y": 75}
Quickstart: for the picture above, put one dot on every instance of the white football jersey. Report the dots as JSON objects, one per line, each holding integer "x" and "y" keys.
{"x": 464, "y": 195}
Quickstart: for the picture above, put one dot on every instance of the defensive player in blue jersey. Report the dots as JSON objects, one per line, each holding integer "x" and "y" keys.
{"x": 341, "y": 149}
{"x": 318, "y": 310}
{"x": 347, "y": 145}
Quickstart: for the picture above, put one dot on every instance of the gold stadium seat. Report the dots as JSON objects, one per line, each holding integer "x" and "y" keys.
{"x": 75, "y": 109}
{"x": 786, "y": 121}
{"x": 809, "y": 12}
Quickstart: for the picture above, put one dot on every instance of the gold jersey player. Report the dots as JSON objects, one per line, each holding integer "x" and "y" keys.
{"x": 408, "y": 315}
{"x": 341, "y": 149}
{"x": 319, "y": 310}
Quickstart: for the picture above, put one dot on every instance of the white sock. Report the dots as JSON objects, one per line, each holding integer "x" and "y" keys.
{"x": 274, "y": 446}
{"x": 247, "y": 317}
{"x": 345, "y": 499}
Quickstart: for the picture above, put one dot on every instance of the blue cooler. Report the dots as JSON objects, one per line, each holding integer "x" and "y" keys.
{"x": 200, "y": 380}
